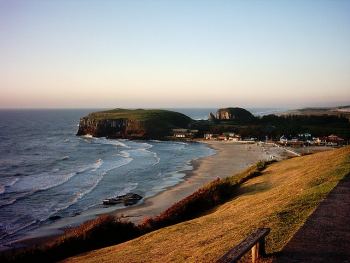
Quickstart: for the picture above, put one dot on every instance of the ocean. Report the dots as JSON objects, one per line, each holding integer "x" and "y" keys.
{"x": 47, "y": 173}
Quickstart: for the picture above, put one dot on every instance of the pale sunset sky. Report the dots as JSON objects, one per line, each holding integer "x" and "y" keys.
{"x": 180, "y": 53}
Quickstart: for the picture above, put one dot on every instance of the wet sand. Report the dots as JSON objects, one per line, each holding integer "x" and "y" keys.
{"x": 231, "y": 158}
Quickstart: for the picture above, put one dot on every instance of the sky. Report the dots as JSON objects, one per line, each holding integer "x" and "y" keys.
{"x": 180, "y": 53}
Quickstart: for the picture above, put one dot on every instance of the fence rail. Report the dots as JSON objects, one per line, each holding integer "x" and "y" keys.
{"x": 255, "y": 241}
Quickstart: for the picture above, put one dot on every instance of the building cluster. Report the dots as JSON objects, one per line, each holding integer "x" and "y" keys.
{"x": 303, "y": 139}
{"x": 227, "y": 136}
{"x": 307, "y": 139}
{"x": 184, "y": 133}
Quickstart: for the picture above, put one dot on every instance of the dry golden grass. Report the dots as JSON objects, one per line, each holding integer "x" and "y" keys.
{"x": 281, "y": 198}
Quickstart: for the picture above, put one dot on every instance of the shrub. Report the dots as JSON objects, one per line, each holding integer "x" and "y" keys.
{"x": 100, "y": 232}
{"x": 207, "y": 197}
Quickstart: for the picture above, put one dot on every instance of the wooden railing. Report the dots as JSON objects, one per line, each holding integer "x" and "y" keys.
{"x": 255, "y": 241}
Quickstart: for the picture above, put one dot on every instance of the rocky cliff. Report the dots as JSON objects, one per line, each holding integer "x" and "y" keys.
{"x": 238, "y": 114}
{"x": 132, "y": 124}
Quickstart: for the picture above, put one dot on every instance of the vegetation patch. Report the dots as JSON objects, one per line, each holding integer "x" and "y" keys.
{"x": 100, "y": 232}
{"x": 206, "y": 198}
{"x": 142, "y": 115}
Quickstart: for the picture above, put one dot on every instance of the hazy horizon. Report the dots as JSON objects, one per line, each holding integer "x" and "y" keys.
{"x": 165, "y": 108}
{"x": 174, "y": 54}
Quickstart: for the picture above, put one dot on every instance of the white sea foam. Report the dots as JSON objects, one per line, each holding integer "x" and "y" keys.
{"x": 124, "y": 154}
{"x": 156, "y": 158}
{"x": 119, "y": 143}
{"x": 97, "y": 164}
{"x": 65, "y": 158}
{"x": 111, "y": 142}
{"x": 45, "y": 181}
{"x": 129, "y": 187}
{"x": 144, "y": 149}
{"x": 12, "y": 182}
{"x": 7, "y": 183}
{"x": 41, "y": 181}
{"x": 146, "y": 145}
{"x": 88, "y": 185}
{"x": 78, "y": 195}
{"x": 182, "y": 143}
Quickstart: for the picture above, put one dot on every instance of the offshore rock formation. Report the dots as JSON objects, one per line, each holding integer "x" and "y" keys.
{"x": 132, "y": 124}
{"x": 238, "y": 114}
{"x": 211, "y": 117}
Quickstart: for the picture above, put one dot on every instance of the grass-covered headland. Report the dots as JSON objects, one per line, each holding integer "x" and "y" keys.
{"x": 159, "y": 124}
{"x": 209, "y": 222}
{"x": 133, "y": 124}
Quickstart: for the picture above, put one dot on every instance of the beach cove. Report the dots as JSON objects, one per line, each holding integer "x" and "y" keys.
{"x": 230, "y": 158}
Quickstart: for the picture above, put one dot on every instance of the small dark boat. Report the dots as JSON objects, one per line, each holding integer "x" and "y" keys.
{"x": 127, "y": 199}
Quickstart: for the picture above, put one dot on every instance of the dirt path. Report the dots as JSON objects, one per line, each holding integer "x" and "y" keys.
{"x": 325, "y": 237}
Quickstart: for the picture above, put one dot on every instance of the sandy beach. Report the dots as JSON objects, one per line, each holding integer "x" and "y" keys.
{"x": 230, "y": 158}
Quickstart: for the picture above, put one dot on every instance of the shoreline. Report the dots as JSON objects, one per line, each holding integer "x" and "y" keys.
{"x": 229, "y": 159}
{"x": 51, "y": 231}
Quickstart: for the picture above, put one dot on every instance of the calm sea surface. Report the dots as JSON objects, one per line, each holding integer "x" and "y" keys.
{"x": 46, "y": 172}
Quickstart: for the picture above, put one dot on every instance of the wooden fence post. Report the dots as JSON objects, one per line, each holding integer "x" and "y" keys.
{"x": 255, "y": 253}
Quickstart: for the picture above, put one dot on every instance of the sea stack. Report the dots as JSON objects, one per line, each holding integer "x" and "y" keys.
{"x": 236, "y": 113}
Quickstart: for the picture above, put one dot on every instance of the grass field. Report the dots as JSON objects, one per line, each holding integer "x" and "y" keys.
{"x": 281, "y": 198}
{"x": 140, "y": 114}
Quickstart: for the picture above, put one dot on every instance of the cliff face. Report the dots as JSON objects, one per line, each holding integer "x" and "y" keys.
{"x": 119, "y": 128}
{"x": 132, "y": 124}
{"x": 234, "y": 114}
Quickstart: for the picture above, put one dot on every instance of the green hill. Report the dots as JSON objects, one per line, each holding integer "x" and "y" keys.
{"x": 167, "y": 116}
{"x": 138, "y": 124}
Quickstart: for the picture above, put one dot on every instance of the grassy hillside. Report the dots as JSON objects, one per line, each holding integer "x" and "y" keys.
{"x": 282, "y": 198}
{"x": 140, "y": 114}
{"x": 133, "y": 124}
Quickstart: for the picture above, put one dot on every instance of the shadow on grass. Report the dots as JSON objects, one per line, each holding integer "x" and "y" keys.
{"x": 254, "y": 188}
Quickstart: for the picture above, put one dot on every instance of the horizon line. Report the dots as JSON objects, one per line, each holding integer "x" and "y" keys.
{"x": 203, "y": 107}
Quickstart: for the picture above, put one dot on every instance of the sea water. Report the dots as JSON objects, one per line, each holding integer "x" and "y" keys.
{"x": 47, "y": 173}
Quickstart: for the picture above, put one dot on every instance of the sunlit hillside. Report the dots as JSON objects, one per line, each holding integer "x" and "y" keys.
{"x": 281, "y": 198}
